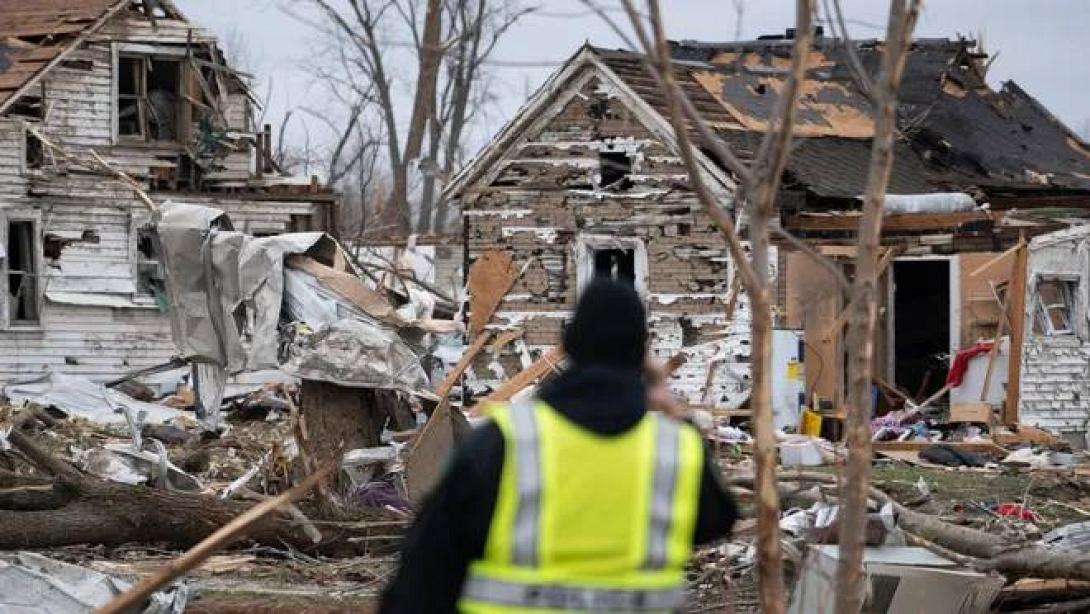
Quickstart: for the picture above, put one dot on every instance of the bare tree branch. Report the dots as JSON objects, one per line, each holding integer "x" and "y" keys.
{"x": 864, "y": 308}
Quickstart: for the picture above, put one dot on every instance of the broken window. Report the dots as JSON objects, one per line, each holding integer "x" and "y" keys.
{"x": 1055, "y": 306}
{"x": 148, "y": 98}
{"x": 150, "y": 277}
{"x": 22, "y": 273}
{"x": 623, "y": 259}
{"x": 33, "y": 151}
{"x": 614, "y": 168}
{"x": 616, "y": 264}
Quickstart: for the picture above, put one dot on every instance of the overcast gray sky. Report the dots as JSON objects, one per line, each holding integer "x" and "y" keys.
{"x": 1041, "y": 44}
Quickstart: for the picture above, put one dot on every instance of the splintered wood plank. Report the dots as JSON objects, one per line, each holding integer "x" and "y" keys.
{"x": 550, "y": 361}
{"x": 490, "y": 278}
{"x": 429, "y": 450}
{"x": 1017, "y": 295}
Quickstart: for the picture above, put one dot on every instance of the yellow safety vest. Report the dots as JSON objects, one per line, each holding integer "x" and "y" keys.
{"x": 586, "y": 521}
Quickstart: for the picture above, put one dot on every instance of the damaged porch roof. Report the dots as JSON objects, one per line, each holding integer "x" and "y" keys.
{"x": 957, "y": 133}
{"x": 35, "y": 33}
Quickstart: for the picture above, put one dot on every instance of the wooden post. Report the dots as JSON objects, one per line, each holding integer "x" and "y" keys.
{"x": 1017, "y": 294}
{"x": 259, "y": 150}
{"x": 268, "y": 157}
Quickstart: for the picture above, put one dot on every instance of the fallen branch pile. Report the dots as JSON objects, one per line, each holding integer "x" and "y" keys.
{"x": 974, "y": 548}
{"x": 60, "y": 505}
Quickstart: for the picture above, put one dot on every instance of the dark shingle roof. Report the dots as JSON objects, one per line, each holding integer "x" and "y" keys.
{"x": 956, "y": 132}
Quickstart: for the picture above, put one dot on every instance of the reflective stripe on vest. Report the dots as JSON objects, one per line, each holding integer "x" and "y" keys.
{"x": 560, "y": 597}
{"x": 528, "y": 460}
{"x": 667, "y": 443}
{"x": 527, "y": 453}
{"x": 585, "y": 521}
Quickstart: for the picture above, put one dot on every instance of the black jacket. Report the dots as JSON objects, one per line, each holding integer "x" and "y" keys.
{"x": 452, "y": 526}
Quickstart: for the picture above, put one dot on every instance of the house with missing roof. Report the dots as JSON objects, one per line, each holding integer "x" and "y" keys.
{"x": 983, "y": 234}
{"x": 135, "y": 86}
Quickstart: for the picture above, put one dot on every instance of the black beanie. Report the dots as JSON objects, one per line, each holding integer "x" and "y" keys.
{"x": 609, "y": 327}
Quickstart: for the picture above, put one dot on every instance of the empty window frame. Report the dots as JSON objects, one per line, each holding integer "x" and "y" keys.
{"x": 614, "y": 168}
{"x": 1054, "y": 306}
{"x": 149, "y": 100}
{"x": 33, "y": 151}
{"x": 623, "y": 259}
{"x": 150, "y": 277}
{"x": 22, "y": 273}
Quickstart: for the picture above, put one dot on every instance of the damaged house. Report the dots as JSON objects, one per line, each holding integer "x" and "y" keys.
{"x": 132, "y": 86}
{"x": 585, "y": 182}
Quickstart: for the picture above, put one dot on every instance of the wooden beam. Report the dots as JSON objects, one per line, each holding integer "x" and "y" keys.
{"x": 451, "y": 378}
{"x": 898, "y": 222}
{"x": 1001, "y": 328}
{"x": 994, "y": 261}
{"x": 547, "y": 362}
{"x": 1017, "y": 292}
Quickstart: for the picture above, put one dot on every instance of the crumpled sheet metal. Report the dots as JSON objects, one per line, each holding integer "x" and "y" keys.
{"x": 32, "y": 584}
{"x": 356, "y": 354}
{"x": 121, "y": 463}
{"x": 77, "y": 396}
{"x": 184, "y": 235}
{"x": 261, "y": 275}
{"x": 228, "y": 302}
{"x": 309, "y": 301}
{"x": 212, "y": 272}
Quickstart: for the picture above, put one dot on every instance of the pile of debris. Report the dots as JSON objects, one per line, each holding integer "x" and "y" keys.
{"x": 986, "y": 521}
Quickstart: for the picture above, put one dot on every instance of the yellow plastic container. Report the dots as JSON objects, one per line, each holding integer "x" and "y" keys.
{"x": 810, "y": 423}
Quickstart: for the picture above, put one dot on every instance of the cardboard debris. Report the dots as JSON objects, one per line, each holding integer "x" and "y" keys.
{"x": 971, "y": 412}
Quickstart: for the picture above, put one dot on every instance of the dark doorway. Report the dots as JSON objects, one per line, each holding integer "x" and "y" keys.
{"x": 921, "y": 325}
{"x": 616, "y": 264}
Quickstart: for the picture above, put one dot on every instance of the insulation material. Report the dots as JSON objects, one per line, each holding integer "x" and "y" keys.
{"x": 940, "y": 202}
{"x": 490, "y": 278}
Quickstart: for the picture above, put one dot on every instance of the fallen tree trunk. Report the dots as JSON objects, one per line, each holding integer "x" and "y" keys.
{"x": 80, "y": 509}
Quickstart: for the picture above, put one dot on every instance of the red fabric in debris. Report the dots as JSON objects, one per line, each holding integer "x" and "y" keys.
{"x": 1017, "y": 510}
{"x": 961, "y": 361}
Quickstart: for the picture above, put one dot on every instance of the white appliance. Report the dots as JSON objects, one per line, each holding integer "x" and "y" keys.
{"x": 788, "y": 378}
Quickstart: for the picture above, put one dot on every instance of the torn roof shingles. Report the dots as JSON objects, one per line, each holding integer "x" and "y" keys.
{"x": 956, "y": 132}
{"x": 34, "y": 32}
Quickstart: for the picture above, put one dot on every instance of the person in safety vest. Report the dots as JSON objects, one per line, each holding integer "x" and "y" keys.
{"x": 578, "y": 499}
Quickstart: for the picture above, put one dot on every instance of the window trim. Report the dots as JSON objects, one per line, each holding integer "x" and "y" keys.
{"x": 148, "y": 53}
{"x": 587, "y": 244}
{"x": 1071, "y": 285}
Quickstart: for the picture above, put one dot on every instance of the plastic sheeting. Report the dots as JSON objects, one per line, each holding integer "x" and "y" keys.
{"x": 32, "y": 584}
{"x": 77, "y": 396}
